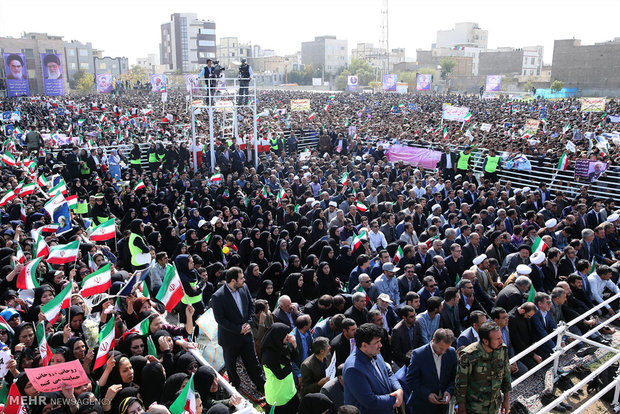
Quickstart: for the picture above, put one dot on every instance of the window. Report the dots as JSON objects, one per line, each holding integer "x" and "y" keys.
{"x": 84, "y": 65}
{"x": 206, "y": 31}
{"x": 206, "y": 43}
{"x": 70, "y": 52}
{"x": 29, "y": 53}
{"x": 533, "y": 61}
{"x": 83, "y": 52}
{"x": 100, "y": 66}
{"x": 73, "y": 65}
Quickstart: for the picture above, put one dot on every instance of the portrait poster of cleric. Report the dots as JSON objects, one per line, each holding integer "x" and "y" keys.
{"x": 53, "y": 82}
{"x": 589, "y": 170}
{"x": 16, "y": 74}
{"x": 423, "y": 81}
{"x": 104, "y": 83}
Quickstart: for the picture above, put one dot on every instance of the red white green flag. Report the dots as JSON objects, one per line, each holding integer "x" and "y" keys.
{"x": 52, "y": 309}
{"x": 139, "y": 185}
{"x": 27, "y": 189}
{"x": 217, "y": 178}
{"x": 72, "y": 201}
{"x": 357, "y": 240}
{"x": 361, "y": 289}
{"x": 142, "y": 328}
{"x": 361, "y": 206}
{"x": 97, "y": 282}
{"x": 311, "y": 117}
{"x": 186, "y": 401}
{"x": 399, "y": 255}
{"x": 445, "y": 133}
{"x": 106, "y": 343}
{"x": 64, "y": 253}
{"x": 27, "y": 277}
{"x": 8, "y": 159}
{"x": 61, "y": 187}
{"x": 19, "y": 254}
{"x": 345, "y": 179}
{"x": 44, "y": 349}
{"x": 538, "y": 245}
{"x": 563, "y": 163}
{"x": 5, "y": 325}
{"x": 41, "y": 248}
{"x": 104, "y": 231}
{"x": 8, "y": 196}
{"x": 468, "y": 117}
{"x": 171, "y": 291}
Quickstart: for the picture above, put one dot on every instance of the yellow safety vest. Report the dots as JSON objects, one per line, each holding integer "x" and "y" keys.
{"x": 273, "y": 144}
{"x": 463, "y": 162}
{"x": 133, "y": 249}
{"x": 188, "y": 300}
{"x": 152, "y": 157}
{"x": 491, "y": 165}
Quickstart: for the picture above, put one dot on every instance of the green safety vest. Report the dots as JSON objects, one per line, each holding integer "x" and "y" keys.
{"x": 273, "y": 143}
{"x": 135, "y": 162}
{"x": 188, "y": 300}
{"x": 133, "y": 249}
{"x": 491, "y": 165}
{"x": 85, "y": 170}
{"x": 152, "y": 157}
{"x": 278, "y": 391}
{"x": 161, "y": 157}
{"x": 82, "y": 207}
{"x": 463, "y": 162}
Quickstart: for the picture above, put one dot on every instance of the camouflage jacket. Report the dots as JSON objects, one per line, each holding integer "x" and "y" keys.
{"x": 481, "y": 378}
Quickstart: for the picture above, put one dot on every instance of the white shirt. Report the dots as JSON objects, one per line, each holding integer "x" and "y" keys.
{"x": 598, "y": 285}
{"x": 377, "y": 240}
{"x": 437, "y": 359}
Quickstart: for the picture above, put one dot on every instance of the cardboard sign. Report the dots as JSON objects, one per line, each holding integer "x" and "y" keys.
{"x": 300, "y": 104}
{"x": 52, "y": 378}
{"x": 5, "y": 357}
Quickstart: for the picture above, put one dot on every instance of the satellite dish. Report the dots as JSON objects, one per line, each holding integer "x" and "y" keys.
{"x": 236, "y": 63}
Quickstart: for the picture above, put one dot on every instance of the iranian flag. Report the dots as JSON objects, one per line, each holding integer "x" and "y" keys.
{"x": 97, "y": 282}
{"x": 5, "y": 325}
{"x": 27, "y": 189}
{"x": 171, "y": 291}
{"x": 49, "y": 228}
{"x": 104, "y": 231}
{"x": 361, "y": 206}
{"x": 281, "y": 194}
{"x": 361, "y": 289}
{"x": 42, "y": 181}
{"x": 592, "y": 266}
{"x": 44, "y": 349}
{"x": 264, "y": 192}
{"x": 14, "y": 403}
{"x": 41, "y": 249}
{"x": 72, "y": 201}
{"x": 52, "y": 309}
{"x": 445, "y": 133}
{"x": 102, "y": 118}
{"x": 142, "y": 328}
{"x": 468, "y": 117}
{"x": 357, "y": 240}
{"x": 216, "y": 178}
{"x": 539, "y": 245}
{"x": 399, "y": 255}
{"x": 311, "y": 117}
{"x": 326, "y": 107}
{"x": 139, "y": 186}
{"x": 8, "y": 158}
{"x": 64, "y": 253}
{"x": 563, "y": 163}
{"x": 8, "y": 196}
{"x": 27, "y": 277}
{"x": 106, "y": 343}
{"x": 61, "y": 187}
{"x": 19, "y": 254}
{"x": 345, "y": 179}
{"x": 566, "y": 128}
{"x": 186, "y": 401}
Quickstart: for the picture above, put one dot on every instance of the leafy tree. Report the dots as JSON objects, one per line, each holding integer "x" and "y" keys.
{"x": 365, "y": 74}
{"x": 374, "y": 85}
{"x": 557, "y": 86}
{"x": 341, "y": 80}
{"x": 528, "y": 86}
{"x": 83, "y": 81}
{"x": 409, "y": 78}
{"x": 447, "y": 66}
{"x": 136, "y": 73}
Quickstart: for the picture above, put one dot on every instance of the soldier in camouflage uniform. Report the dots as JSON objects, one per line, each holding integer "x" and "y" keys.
{"x": 483, "y": 374}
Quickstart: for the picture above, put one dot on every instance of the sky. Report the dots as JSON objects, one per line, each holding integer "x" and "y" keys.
{"x": 131, "y": 28}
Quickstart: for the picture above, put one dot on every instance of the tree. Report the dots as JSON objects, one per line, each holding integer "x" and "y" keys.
{"x": 135, "y": 74}
{"x": 528, "y": 86}
{"x": 374, "y": 85}
{"x": 365, "y": 74}
{"x": 557, "y": 86}
{"x": 82, "y": 81}
{"x": 447, "y": 65}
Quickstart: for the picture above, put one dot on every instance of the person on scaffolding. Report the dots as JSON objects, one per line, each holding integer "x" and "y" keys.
{"x": 208, "y": 73}
{"x": 245, "y": 76}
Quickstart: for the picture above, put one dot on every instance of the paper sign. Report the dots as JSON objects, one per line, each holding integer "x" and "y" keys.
{"x": 592, "y": 104}
{"x": 300, "y": 104}
{"x": 531, "y": 126}
{"x": 485, "y": 127}
{"x": 330, "y": 371}
{"x": 51, "y": 378}
{"x": 454, "y": 113}
{"x": 5, "y": 357}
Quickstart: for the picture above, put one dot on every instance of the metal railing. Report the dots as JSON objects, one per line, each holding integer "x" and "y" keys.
{"x": 558, "y": 334}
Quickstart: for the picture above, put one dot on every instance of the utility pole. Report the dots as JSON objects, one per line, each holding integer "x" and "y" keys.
{"x": 384, "y": 43}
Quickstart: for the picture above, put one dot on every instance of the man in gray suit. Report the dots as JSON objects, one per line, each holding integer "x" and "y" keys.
{"x": 334, "y": 388}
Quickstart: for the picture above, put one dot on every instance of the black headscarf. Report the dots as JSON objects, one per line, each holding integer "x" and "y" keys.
{"x": 172, "y": 386}
{"x": 152, "y": 386}
{"x": 275, "y": 355}
{"x": 271, "y": 299}
{"x": 315, "y": 403}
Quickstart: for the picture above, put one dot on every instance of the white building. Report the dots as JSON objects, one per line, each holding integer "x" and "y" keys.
{"x": 186, "y": 42}
{"x": 463, "y": 34}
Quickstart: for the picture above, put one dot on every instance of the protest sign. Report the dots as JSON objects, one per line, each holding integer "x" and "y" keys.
{"x": 454, "y": 113}
{"x": 423, "y": 81}
{"x": 16, "y": 74}
{"x": 531, "y": 126}
{"x": 53, "y": 377}
{"x": 5, "y": 357}
{"x": 389, "y": 82}
{"x": 485, "y": 127}
{"x": 592, "y": 104}
{"x": 300, "y": 104}
{"x": 352, "y": 83}
{"x": 494, "y": 83}
{"x": 589, "y": 170}
{"x": 104, "y": 83}
{"x": 158, "y": 83}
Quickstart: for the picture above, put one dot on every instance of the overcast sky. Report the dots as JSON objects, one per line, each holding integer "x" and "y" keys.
{"x": 132, "y": 27}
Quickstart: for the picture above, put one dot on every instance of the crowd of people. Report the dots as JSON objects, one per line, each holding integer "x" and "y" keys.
{"x": 341, "y": 281}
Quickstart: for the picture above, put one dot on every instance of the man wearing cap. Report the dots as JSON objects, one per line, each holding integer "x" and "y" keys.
{"x": 387, "y": 283}
{"x": 385, "y": 306}
{"x": 515, "y": 294}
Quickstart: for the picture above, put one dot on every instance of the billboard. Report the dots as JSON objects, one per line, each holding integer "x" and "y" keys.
{"x": 104, "y": 83}
{"x": 158, "y": 83}
{"x": 494, "y": 83}
{"x": 423, "y": 81}
{"x": 389, "y": 82}
{"x": 53, "y": 82}
{"x": 352, "y": 83}
{"x": 16, "y": 74}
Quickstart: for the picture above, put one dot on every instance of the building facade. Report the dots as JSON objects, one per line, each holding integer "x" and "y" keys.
{"x": 186, "y": 42}
{"x": 79, "y": 56}
{"x": 463, "y": 34}
{"x": 325, "y": 52}
{"x": 377, "y": 57}
{"x": 527, "y": 61}
{"x": 230, "y": 51}
{"x": 107, "y": 64}
{"x": 588, "y": 67}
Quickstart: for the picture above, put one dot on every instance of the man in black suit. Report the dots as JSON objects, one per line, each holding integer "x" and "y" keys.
{"x": 455, "y": 264}
{"x": 233, "y": 310}
{"x": 408, "y": 282}
{"x": 286, "y": 312}
{"x": 521, "y": 332}
{"x": 449, "y": 316}
{"x": 471, "y": 250}
{"x": 344, "y": 342}
{"x": 447, "y": 164}
{"x": 514, "y": 294}
{"x": 587, "y": 245}
{"x": 403, "y": 336}
{"x": 439, "y": 272}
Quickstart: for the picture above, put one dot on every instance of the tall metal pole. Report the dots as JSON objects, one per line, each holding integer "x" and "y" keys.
{"x": 194, "y": 156}
{"x": 211, "y": 138}
{"x": 255, "y": 128}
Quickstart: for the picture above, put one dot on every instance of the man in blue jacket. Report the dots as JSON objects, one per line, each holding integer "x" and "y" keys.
{"x": 431, "y": 374}
{"x": 369, "y": 384}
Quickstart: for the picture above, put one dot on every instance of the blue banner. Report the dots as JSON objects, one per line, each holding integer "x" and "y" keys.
{"x": 16, "y": 74}
{"x": 53, "y": 82}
